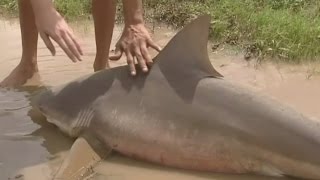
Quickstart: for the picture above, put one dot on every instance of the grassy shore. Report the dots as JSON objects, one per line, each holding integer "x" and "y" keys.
{"x": 286, "y": 30}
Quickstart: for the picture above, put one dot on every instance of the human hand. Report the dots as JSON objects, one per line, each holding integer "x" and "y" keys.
{"x": 134, "y": 42}
{"x": 51, "y": 24}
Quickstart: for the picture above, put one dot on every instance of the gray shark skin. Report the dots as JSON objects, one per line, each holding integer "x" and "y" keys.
{"x": 184, "y": 114}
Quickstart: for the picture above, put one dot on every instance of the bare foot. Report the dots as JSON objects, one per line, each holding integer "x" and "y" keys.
{"x": 19, "y": 76}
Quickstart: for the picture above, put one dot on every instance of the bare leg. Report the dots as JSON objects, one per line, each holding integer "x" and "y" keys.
{"x": 103, "y": 12}
{"x": 29, "y": 35}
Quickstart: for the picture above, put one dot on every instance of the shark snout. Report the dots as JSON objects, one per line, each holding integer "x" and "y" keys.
{"x": 48, "y": 104}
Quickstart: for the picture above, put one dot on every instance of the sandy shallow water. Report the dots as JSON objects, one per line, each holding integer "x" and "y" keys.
{"x": 33, "y": 149}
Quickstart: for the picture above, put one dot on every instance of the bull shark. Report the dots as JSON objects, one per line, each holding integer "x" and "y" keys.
{"x": 183, "y": 114}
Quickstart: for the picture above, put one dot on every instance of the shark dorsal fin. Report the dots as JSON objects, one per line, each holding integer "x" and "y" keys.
{"x": 185, "y": 61}
{"x": 187, "y": 51}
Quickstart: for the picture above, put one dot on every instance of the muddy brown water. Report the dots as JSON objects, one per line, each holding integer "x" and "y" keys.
{"x": 30, "y": 148}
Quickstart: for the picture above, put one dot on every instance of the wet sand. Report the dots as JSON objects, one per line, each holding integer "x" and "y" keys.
{"x": 33, "y": 149}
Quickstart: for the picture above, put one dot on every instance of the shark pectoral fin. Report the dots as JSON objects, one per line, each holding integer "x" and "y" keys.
{"x": 85, "y": 153}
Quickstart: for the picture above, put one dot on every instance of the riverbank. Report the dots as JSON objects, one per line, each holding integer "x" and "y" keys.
{"x": 285, "y": 30}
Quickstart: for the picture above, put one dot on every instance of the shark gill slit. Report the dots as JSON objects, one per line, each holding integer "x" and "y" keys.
{"x": 83, "y": 120}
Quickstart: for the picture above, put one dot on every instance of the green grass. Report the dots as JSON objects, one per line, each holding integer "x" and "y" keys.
{"x": 287, "y": 30}
{"x": 73, "y": 8}
{"x": 9, "y": 6}
{"x": 70, "y": 9}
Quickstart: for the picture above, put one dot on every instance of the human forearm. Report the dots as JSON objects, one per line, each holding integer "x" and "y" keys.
{"x": 133, "y": 12}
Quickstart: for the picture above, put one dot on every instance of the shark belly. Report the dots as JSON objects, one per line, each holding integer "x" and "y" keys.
{"x": 163, "y": 129}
